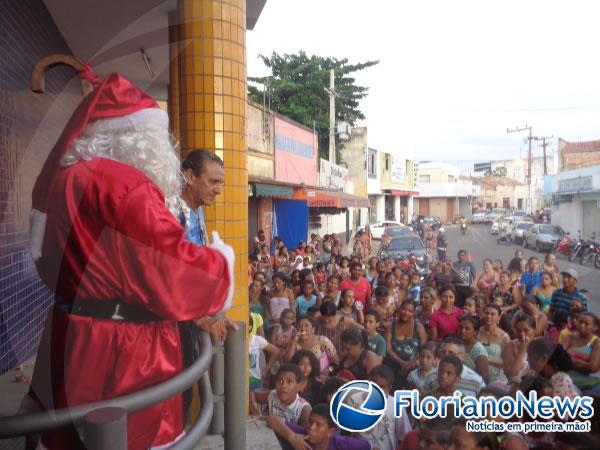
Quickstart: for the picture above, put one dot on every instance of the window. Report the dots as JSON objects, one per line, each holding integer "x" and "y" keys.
{"x": 406, "y": 244}
{"x": 451, "y": 179}
{"x": 424, "y": 179}
{"x": 387, "y": 163}
{"x": 372, "y": 164}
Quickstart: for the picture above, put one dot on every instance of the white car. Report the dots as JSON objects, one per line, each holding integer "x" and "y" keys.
{"x": 377, "y": 229}
{"x": 478, "y": 217}
{"x": 495, "y": 227}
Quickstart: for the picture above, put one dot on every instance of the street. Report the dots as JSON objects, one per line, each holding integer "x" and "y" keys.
{"x": 481, "y": 244}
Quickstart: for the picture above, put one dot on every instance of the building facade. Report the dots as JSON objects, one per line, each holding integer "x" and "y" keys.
{"x": 443, "y": 192}
{"x": 500, "y": 192}
{"x": 397, "y": 175}
{"x": 575, "y": 190}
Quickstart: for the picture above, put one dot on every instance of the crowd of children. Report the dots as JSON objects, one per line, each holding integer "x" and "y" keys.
{"x": 319, "y": 320}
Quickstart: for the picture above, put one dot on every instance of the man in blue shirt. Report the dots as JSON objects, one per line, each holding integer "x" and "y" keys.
{"x": 533, "y": 276}
{"x": 562, "y": 298}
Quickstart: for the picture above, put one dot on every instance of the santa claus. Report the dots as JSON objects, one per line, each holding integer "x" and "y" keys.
{"x": 118, "y": 262}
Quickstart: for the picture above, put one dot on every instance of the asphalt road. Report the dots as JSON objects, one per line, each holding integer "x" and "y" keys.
{"x": 481, "y": 244}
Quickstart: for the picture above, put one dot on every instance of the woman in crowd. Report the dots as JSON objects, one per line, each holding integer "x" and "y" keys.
{"x": 552, "y": 362}
{"x": 280, "y": 298}
{"x": 310, "y": 387}
{"x": 584, "y": 348}
{"x": 493, "y": 338}
{"x": 257, "y": 298}
{"x": 477, "y": 356}
{"x": 530, "y": 306}
{"x": 488, "y": 279}
{"x": 403, "y": 337}
{"x": 282, "y": 260}
{"x": 544, "y": 291}
{"x": 331, "y": 324}
{"x": 348, "y": 307}
{"x": 427, "y": 305}
{"x": 514, "y": 353}
{"x": 372, "y": 270}
{"x": 551, "y": 267}
{"x": 358, "y": 360}
{"x": 306, "y": 339}
{"x": 444, "y": 321}
{"x": 403, "y": 287}
{"x": 509, "y": 290}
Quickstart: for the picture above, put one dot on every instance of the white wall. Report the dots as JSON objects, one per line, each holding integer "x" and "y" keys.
{"x": 569, "y": 216}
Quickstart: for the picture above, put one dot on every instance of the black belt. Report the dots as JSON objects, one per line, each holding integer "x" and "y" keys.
{"x": 107, "y": 310}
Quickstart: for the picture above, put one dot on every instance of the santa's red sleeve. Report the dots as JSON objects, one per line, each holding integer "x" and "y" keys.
{"x": 170, "y": 276}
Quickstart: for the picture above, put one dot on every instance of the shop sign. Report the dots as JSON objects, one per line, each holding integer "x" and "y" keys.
{"x": 332, "y": 176}
{"x": 574, "y": 185}
{"x": 398, "y": 169}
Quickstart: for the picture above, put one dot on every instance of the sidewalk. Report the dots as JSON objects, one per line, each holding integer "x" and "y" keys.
{"x": 11, "y": 393}
{"x": 258, "y": 435}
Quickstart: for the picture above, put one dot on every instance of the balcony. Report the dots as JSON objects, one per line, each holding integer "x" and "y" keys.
{"x": 448, "y": 190}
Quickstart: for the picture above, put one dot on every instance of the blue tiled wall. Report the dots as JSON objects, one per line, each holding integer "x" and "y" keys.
{"x": 29, "y": 125}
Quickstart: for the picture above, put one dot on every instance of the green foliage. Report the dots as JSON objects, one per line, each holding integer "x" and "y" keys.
{"x": 296, "y": 88}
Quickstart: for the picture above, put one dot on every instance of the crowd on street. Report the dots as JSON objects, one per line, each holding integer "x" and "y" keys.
{"x": 320, "y": 318}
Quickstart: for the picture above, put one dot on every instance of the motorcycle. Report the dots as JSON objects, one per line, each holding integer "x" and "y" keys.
{"x": 597, "y": 258}
{"x": 588, "y": 250}
{"x": 463, "y": 228}
{"x": 566, "y": 245}
{"x": 504, "y": 239}
{"x": 577, "y": 249}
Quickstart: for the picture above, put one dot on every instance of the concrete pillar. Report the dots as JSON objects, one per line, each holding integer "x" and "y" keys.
{"x": 212, "y": 66}
{"x": 380, "y": 208}
{"x": 411, "y": 207}
{"x": 173, "y": 101}
{"x": 397, "y": 208}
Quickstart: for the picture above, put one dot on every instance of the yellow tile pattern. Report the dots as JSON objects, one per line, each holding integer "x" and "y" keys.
{"x": 212, "y": 113}
{"x": 174, "y": 74}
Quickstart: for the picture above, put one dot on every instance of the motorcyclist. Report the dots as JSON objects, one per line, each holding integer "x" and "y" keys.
{"x": 442, "y": 244}
{"x": 463, "y": 223}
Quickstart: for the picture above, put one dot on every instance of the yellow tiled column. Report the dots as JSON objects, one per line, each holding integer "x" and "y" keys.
{"x": 212, "y": 105}
{"x": 174, "y": 74}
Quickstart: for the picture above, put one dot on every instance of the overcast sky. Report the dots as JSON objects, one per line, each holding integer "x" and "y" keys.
{"x": 454, "y": 75}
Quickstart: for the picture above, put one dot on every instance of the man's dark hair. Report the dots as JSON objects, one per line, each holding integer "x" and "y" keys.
{"x": 355, "y": 265}
{"x": 381, "y": 291}
{"x": 291, "y": 368}
{"x": 322, "y": 410}
{"x": 454, "y": 361}
{"x": 196, "y": 160}
{"x": 383, "y": 371}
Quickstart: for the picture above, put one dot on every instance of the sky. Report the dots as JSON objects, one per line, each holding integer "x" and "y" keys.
{"x": 453, "y": 75}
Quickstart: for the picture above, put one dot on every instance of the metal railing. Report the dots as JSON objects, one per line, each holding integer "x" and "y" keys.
{"x": 104, "y": 423}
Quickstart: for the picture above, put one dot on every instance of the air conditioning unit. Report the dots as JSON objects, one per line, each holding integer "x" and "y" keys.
{"x": 344, "y": 131}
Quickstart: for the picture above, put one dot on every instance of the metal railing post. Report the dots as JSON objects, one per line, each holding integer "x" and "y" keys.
{"x": 217, "y": 380}
{"x": 236, "y": 381}
{"x": 106, "y": 429}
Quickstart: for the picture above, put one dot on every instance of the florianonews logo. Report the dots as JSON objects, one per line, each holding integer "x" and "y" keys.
{"x": 367, "y": 415}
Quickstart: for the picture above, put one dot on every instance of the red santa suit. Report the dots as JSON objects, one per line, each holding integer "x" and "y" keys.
{"x": 110, "y": 237}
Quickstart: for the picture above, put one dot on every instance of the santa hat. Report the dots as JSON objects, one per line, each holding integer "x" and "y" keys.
{"x": 115, "y": 104}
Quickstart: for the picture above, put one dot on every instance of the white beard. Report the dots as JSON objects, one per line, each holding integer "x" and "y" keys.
{"x": 151, "y": 151}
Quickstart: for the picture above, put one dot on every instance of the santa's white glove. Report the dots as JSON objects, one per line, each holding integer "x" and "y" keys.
{"x": 227, "y": 252}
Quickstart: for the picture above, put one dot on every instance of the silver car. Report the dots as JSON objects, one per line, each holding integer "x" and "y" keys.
{"x": 520, "y": 230}
{"x": 543, "y": 237}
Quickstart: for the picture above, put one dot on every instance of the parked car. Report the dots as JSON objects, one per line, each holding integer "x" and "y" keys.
{"x": 521, "y": 228}
{"x": 403, "y": 246}
{"x": 378, "y": 228}
{"x": 433, "y": 221}
{"x": 495, "y": 227}
{"x": 543, "y": 237}
{"x": 496, "y": 215}
{"x": 392, "y": 232}
{"x": 479, "y": 217}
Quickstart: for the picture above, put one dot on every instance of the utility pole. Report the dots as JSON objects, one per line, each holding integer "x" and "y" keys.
{"x": 332, "y": 95}
{"x": 529, "y": 139}
{"x": 544, "y": 145}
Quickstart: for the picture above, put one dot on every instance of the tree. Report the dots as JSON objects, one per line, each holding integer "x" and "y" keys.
{"x": 497, "y": 172}
{"x": 296, "y": 88}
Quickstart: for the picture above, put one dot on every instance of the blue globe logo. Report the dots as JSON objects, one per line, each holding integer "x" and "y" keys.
{"x": 369, "y": 413}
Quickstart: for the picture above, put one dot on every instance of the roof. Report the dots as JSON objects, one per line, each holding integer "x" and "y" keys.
{"x": 496, "y": 181}
{"x": 581, "y": 147}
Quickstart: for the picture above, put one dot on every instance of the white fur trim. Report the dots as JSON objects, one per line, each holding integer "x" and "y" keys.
{"x": 37, "y": 230}
{"x": 227, "y": 252}
{"x": 137, "y": 121}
